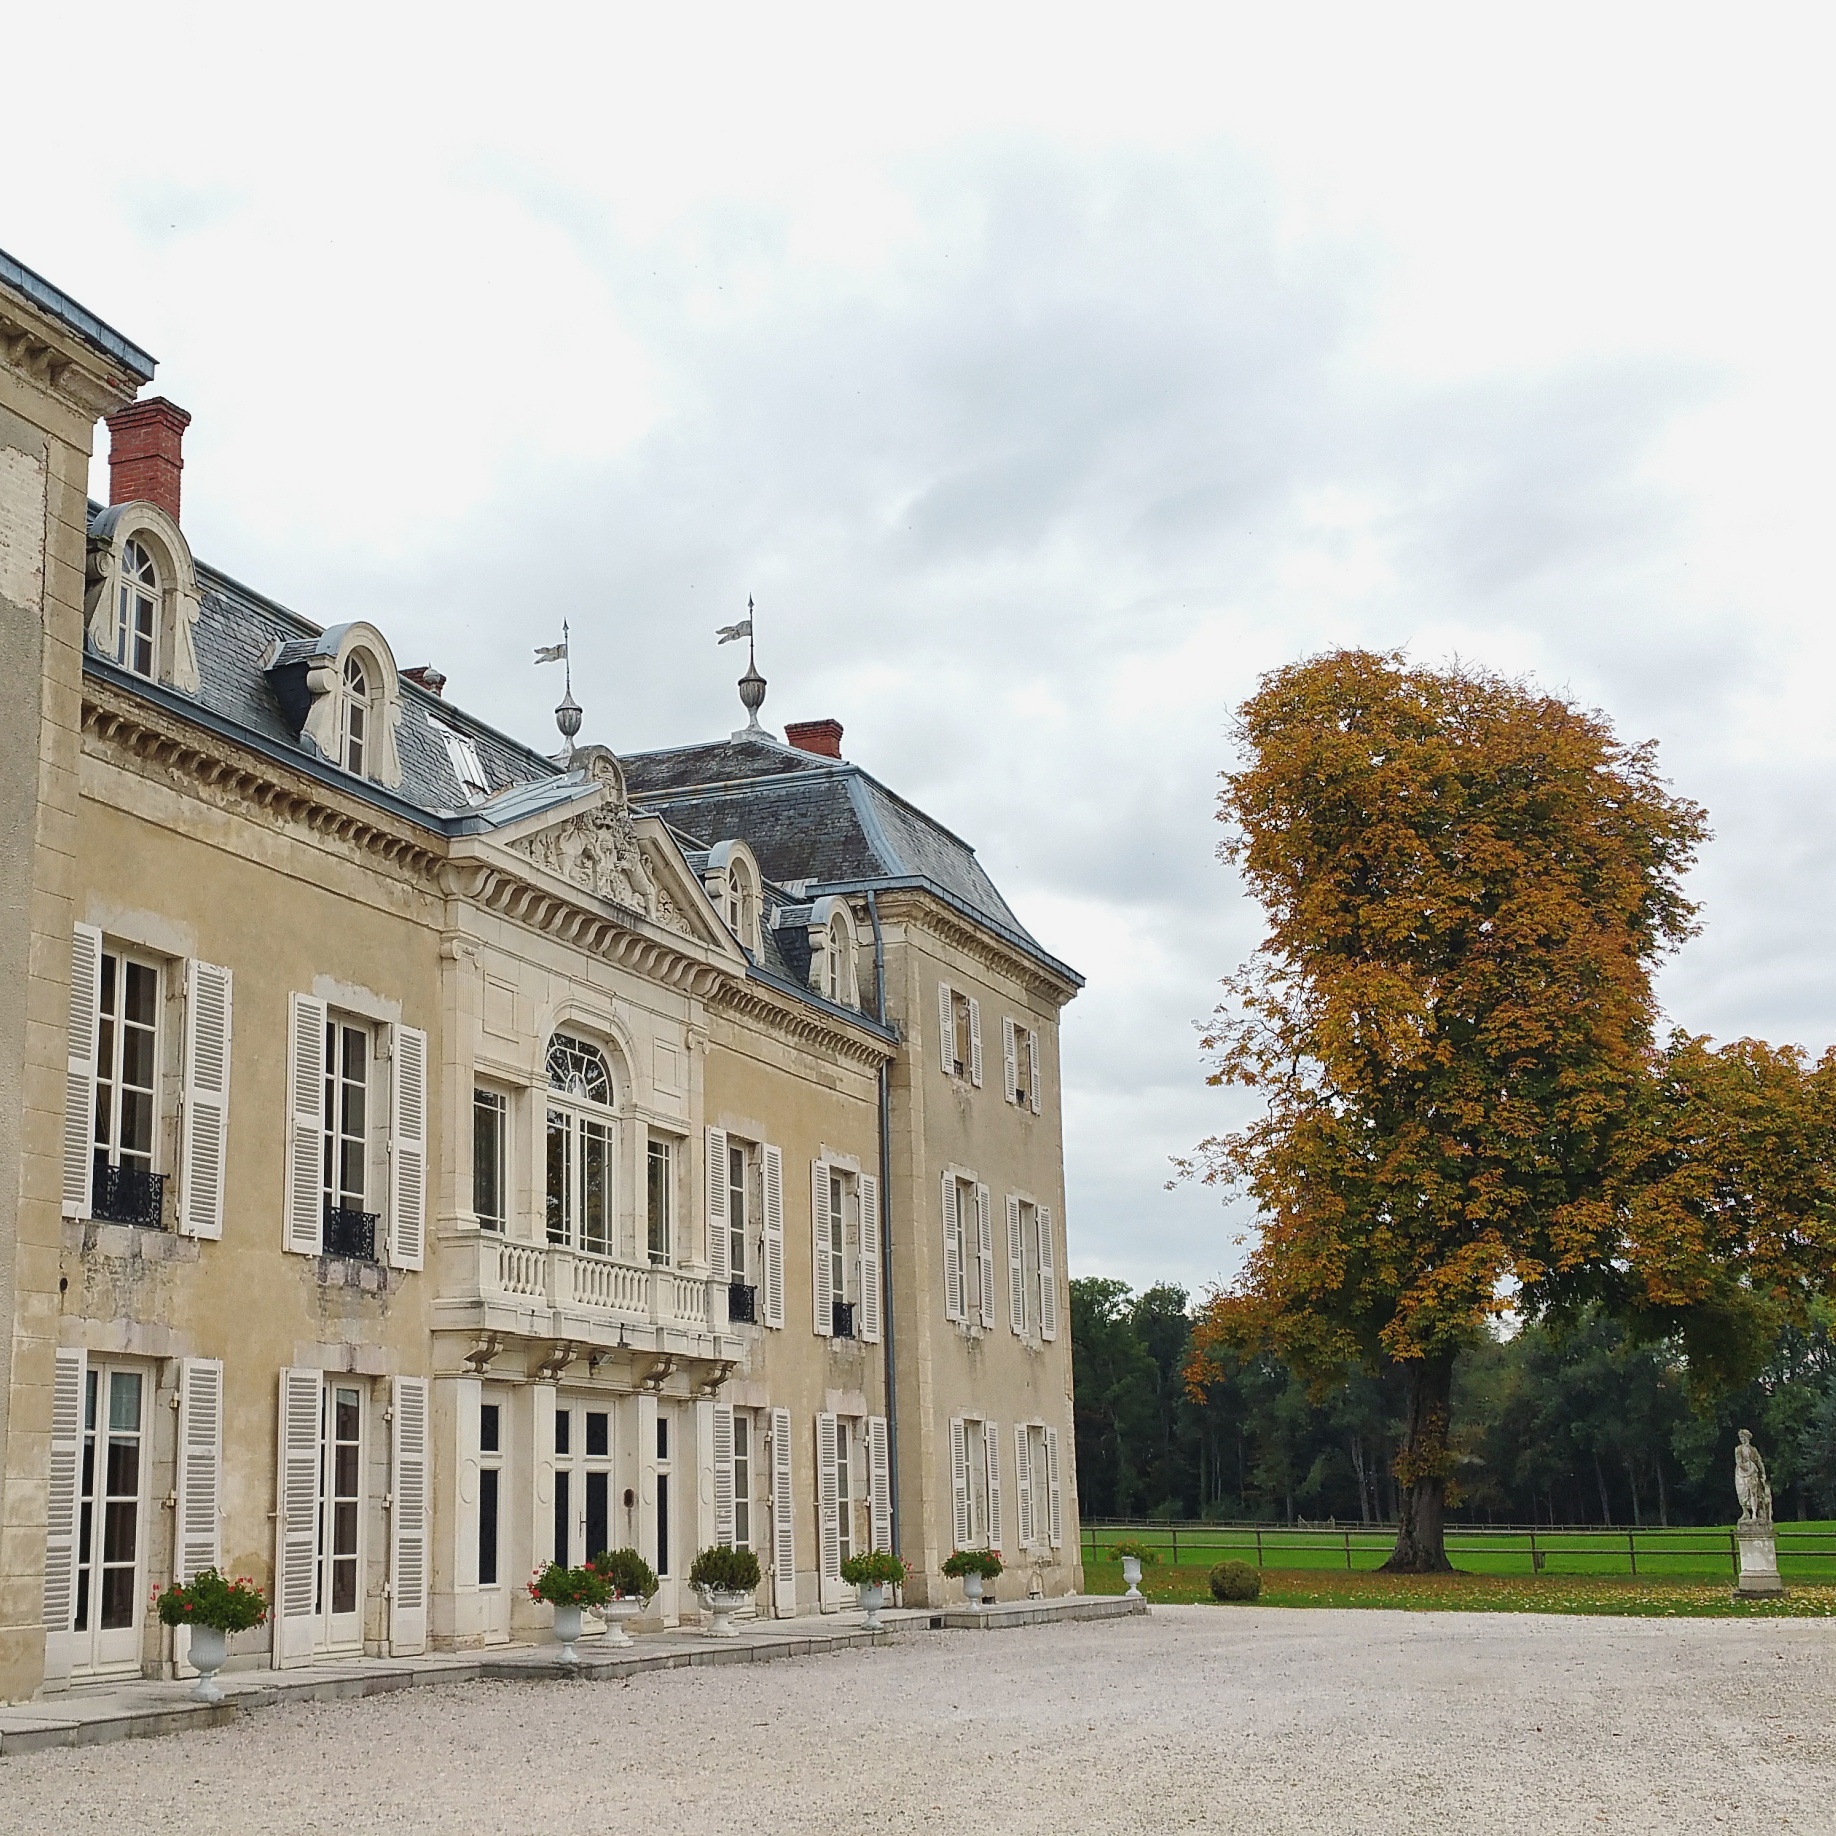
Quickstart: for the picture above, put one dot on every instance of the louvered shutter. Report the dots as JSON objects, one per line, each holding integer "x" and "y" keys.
{"x": 407, "y": 1147}
{"x": 723, "y": 1474}
{"x": 297, "y": 1534}
{"x": 975, "y": 1042}
{"x": 783, "y": 1507}
{"x": 1032, "y": 1069}
{"x": 1016, "y": 1269}
{"x": 304, "y": 1230}
{"x": 828, "y": 1509}
{"x": 80, "y": 1074}
{"x": 953, "y": 1252}
{"x": 879, "y": 1483}
{"x": 409, "y": 1539}
{"x": 984, "y": 1249}
{"x": 819, "y": 1249}
{"x": 197, "y": 1540}
{"x": 716, "y": 1164}
{"x": 774, "y": 1236}
{"x": 959, "y": 1482}
{"x": 991, "y": 1444}
{"x": 1055, "y": 1509}
{"x": 1048, "y": 1276}
{"x": 870, "y": 1259}
{"x": 946, "y": 1028}
{"x": 62, "y": 1499}
{"x": 204, "y": 1102}
{"x": 1010, "y": 1058}
{"x": 1023, "y": 1485}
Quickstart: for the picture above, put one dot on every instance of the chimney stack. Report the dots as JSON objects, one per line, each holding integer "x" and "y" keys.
{"x": 144, "y": 456}
{"x": 428, "y": 677}
{"x": 819, "y": 736}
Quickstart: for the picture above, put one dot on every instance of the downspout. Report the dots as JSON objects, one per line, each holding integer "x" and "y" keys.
{"x": 886, "y": 1235}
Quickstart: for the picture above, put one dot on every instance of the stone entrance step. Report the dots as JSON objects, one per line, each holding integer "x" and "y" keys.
{"x": 1017, "y": 1613}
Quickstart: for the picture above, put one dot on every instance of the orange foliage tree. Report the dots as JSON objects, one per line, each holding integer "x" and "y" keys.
{"x": 1451, "y": 1027}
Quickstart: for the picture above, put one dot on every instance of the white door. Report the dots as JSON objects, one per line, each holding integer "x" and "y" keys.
{"x": 341, "y": 1458}
{"x": 111, "y": 1520}
{"x": 584, "y": 1522}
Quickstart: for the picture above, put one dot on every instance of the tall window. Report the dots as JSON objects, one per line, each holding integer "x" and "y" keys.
{"x": 490, "y": 1476}
{"x": 341, "y": 1487}
{"x": 660, "y": 1199}
{"x": 742, "y": 905}
{"x": 838, "y": 964}
{"x": 127, "y": 1059}
{"x": 844, "y": 1483}
{"x": 663, "y": 1524}
{"x": 742, "y": 1479}
{"x": 490, "y": 1137}
{"x": 108, "y": 1536}
{"x": 347, "y": 1070}
{"x": 356, "y": 714}
{"x": 969, "y": 1249}
{"x": 976, "y": 1439}
{"x": 838, "y": 1238}
{"x": 137, "y": 607}
{"x": 580, "y": 1178}
{"x": 737, "y": 1211}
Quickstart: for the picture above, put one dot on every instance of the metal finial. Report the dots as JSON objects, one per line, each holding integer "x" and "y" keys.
{"x": 751, "y": 684}
{"x": 568, "y": 714}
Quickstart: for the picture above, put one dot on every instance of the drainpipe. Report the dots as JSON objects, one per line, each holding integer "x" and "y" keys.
{"x": 886, "y": 1235}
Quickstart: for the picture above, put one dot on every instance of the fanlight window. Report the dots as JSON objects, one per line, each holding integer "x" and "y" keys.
{"x": 581, "y": 1145}
{"x": 138, "y": 608}
{"x": 356, "y": 713}
{"x": 578, "y": 1069}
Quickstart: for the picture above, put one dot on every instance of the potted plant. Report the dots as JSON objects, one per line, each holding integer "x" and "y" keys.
{"x": 872, "y": 1574}
{"x": 724, "y": 1579}
{"x": 1132, "y": 1555}
{"x": 632, "y": 1581}
{"x": 213, "y": 1607}
{"x": 972, "y": 1567}
{"x": 569, "y": 1591}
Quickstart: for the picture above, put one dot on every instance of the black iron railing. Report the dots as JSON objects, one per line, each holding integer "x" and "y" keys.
{"x": 742, "y": 1304}
{"x": 127, "y": 1195}
{"x": 843, "y": 1322}
{"x": 350, "y": 1233}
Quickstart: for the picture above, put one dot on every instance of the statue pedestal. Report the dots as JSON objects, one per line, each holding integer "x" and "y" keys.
{"x": 1759, "y": 1562}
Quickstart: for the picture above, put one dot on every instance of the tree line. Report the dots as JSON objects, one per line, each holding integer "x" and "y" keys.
{"x": 1574, "y": 1423}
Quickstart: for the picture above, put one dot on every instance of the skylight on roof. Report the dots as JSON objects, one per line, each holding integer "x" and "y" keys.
{"x": 467, "y": 766}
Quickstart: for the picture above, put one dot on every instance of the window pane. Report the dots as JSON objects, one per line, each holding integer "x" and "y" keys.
{"x": 564, "y": 1518}
{"x": 559, "y": 1145}
{"x": 596, "y": 1188}
{"x": 564, "y": 1426}
{"x": 487, "y": 1527}
{"x": 488, "y": 1428}
{"x": 598, "y": 1434}
{"x": 659, "y": 1197}
{"x": 488, "y": 1118}
{"x": 598, "y": 1514}
{"x": 124, "y": 1402}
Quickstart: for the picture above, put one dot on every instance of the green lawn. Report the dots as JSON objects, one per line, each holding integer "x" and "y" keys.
{"x": 1477, "y": 1593}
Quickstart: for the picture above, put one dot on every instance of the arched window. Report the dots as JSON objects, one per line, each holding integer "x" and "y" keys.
{"x": 580, "y": 1147}
{"x": 742, "y": 905}
{"x": 840, "y": 955}
{"x": 356, "y": 713}
{"x": 137, "y": 608}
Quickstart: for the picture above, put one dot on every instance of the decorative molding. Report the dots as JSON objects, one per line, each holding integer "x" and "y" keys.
{"x": 598, "y": 848}
{"x": 918, "y": 908}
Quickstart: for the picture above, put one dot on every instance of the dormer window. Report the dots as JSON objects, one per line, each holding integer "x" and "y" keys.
{"x": 835, "y": 968}
{"x": 731, "y": 878}
{"x": 137, "y": 611}
{"x": 340, "y": 693}
{"x": 832, "y": 953}
{"x": 356, "y": 714}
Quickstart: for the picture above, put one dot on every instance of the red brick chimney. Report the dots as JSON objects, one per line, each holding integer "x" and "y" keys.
{"x": 428, "y": 677}
{"x": 144, "y": 457}
{"x": 820, "y": 736}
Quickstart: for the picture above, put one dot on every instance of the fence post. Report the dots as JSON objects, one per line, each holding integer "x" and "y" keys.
{"x": 1536, "y": 1561}
{"x": 1632, "y": 1551}
{"x": 1176, "y": 1545}
{"x": 1259, "y": 1545}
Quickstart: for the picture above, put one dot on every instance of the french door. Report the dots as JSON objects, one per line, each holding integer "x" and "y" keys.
{"x": 111, "y": 1519}
{"x": 340, "y": 1553}
{"x": 584, "y": 1524}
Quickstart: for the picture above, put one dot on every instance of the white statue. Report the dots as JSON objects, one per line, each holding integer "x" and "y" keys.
{"x": 1751, "y": 1486}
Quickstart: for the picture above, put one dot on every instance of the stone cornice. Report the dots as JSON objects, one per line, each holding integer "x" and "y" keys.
{"x": 923, "y": 911}
{"x": 80, "y": 378}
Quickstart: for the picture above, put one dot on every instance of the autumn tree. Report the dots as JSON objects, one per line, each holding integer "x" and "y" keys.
{"x": 1451, "y": 1027}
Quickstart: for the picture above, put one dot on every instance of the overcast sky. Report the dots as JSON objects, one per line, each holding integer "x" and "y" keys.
{"x": 1046, "y": 373}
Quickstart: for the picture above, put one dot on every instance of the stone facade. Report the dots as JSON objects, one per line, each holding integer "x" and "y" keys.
{"x": 434, "y": 1160}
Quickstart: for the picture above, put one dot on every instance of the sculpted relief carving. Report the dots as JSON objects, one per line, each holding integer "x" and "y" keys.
{"x": 599, "y": 849}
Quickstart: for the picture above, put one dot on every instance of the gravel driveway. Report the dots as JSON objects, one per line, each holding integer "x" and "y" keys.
{"x": 1238, "y": 1719}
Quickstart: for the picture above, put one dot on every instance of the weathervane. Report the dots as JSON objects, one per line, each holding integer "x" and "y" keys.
{"x": 751, "y": 684}
{"x": 567, "y": 715}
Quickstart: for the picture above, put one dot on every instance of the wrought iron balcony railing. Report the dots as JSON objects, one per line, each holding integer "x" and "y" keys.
{"x": 742, "y": 1304}
{"x": 843, "y": 1323}
{"x": 127, "y": 1195}
{"x": 350, "y": 1233}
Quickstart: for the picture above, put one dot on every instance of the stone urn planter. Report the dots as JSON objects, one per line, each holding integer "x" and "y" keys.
{"x": 617, "y": 1613}
{"x": 721, "y": 1604}
{"x": 972, "y": 1592}
{"x": 873, "y": 1598}
{"x": 567, "y": 1629}
{"x": 209, "y": 1647}
{"x": 1131, "y": 1573}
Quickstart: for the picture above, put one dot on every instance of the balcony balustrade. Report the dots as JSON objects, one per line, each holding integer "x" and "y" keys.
{"x": 127, "y": 1195}
{"x": 577, "y": 1281}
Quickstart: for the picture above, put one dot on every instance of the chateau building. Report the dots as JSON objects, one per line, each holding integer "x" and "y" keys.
{"x": 421, "y": 1158}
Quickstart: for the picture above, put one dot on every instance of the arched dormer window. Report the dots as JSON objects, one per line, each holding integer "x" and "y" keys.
{"x": 339, "y": 692}
{"x": 140, "y": 599}
{"x": 356, "y": 712}
{"x": 832, "y": 953}
{"x": 732, "y": 881}
{"x": 582, "y": 1146}
{"x": 137, "y": 611}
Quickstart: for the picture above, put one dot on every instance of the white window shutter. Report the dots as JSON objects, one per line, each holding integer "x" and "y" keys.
{"x": 828, "y": 1510}
{"x": 716, "y": 1164}
{"x": 953, "y": 1252}
{"x": 984, "y": 1249}
{"x": 1055, "y": 1509}
{"x": 870, "y": 1259}
{"x": 1010, "y": 1058}
{"x": 774, "y": 1236}
{"x": 975, "y": 1042}
{"x": 80, "y": 1076}
{"x": 959, "y": 1482}
{"x": 407, "y": 1147}
{"x": 991, "y": 1444}
{"x": 1032, "y": 1069}
{"x": 1016, "y": 1269}
{"x": 297, "y": 1521}
{"x": 197, "y": 1539}
{"x": 723, "y": 1475}
{"x": 304, "y": 1228}
{"x": 879, "y": 1483}
{"x": 946, "y": 1028}
{"x": 409, "y": 1539}
{"x": 1048, "y": 1276}
{"x": 1023, "y": 1485}
{"x": 204, "y": 1100}
{"x": 819, "y": 1250}
{"x": 61, "y": 1504}
{"x": 783, "y": 1509}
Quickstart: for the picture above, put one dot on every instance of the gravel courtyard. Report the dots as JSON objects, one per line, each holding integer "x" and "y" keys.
{"x": 1239, "y": 1719}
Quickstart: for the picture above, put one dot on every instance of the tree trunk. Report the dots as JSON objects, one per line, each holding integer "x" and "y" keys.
{"x": 1663, "y": 1492}
{"x": 1606, "y": 1508}
{"x": 1421, "y": 1473}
